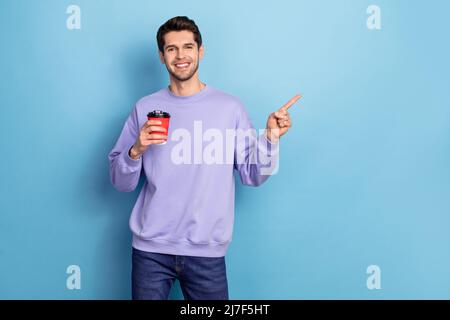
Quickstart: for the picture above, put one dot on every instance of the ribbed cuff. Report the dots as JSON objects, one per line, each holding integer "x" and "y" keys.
{"x": 127, "y": 161}
{"x": 266, "y": 146}
{"x": 268, "y": 155}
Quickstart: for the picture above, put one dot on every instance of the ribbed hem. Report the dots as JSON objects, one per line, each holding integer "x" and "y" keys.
{"x": 181, "y": 248}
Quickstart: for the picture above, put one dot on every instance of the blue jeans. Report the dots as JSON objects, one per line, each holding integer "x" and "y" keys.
{"x": 201, "y": 278}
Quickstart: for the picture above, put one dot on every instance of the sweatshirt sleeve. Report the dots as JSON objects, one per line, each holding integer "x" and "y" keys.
{"x": 125, "y": 172}
{"x": 255, "y": 157}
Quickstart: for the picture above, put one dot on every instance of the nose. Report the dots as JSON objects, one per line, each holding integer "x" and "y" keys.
{"x": 180, "y": 54}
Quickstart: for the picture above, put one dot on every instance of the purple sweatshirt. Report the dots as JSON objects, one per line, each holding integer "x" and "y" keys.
{"x": 186, "y": 205}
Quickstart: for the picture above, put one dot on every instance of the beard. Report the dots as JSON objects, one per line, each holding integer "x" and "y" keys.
{"x": 183, "y": 77}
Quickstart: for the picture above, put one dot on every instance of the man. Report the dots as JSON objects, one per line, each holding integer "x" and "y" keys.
{"x": 183, "y": 218}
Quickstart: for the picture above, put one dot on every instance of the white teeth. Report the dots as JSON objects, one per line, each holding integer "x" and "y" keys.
{"x": 182, "y": 65}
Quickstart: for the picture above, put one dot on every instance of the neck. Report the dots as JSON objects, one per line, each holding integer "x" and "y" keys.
{"x": 186, "y": 88}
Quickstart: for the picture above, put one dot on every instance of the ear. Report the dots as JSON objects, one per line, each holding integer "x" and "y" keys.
{"x": 161, "y": 57}
{"x": 201, "y": 52}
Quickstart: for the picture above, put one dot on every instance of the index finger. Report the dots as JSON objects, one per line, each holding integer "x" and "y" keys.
{"x": 290, "y": 102}
{"x": 152, "y": 123}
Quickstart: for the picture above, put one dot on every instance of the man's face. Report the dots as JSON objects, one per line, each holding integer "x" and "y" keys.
{"x": 181, "y": 54}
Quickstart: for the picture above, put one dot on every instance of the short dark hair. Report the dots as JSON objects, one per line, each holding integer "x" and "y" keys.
{"x": 179, "y": 23}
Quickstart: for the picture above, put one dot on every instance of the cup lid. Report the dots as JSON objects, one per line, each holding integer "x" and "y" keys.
{"x": 158, "y": 114}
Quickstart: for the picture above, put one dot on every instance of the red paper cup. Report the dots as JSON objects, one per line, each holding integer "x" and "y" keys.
{"x": 162, "y": 116}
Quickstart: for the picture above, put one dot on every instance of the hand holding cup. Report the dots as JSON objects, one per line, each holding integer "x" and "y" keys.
{"x": 154, "y": 131}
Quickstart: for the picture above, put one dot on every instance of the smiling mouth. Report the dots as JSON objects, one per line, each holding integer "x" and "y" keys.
{"x": 182, "y": 66}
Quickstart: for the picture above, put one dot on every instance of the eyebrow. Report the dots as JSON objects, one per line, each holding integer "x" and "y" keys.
{"x": 186, "y": 44}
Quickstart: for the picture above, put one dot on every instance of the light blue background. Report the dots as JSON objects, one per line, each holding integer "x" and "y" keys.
{"x": 364, "y": 174}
